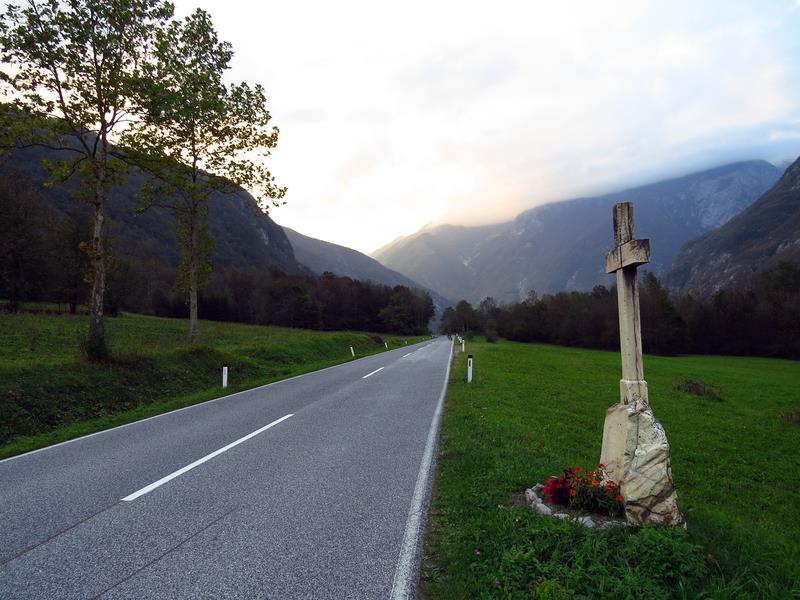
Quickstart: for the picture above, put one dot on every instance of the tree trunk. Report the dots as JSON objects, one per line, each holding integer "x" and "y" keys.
{"x": 96, "y": 343}
{"x": 193, "y": 336}
{"x": 193, "y": 276}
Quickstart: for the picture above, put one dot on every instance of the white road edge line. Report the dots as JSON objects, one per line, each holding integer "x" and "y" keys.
{"x": 177, "y": 410}
{"x": 409, "y": 354}
{"x": 373, "y": 373}
{"x": 199, "y": 462}
{"x": 406, "y": 575}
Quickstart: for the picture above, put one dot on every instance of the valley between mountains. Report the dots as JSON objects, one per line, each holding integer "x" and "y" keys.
{"x": 695, "y": 223}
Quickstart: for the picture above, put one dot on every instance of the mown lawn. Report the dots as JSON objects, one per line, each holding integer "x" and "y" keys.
{"x": 533, "y": 410}
{"x": 48, "y": 393}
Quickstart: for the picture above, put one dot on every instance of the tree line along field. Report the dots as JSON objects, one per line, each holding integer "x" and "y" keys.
{"x": 533, "y": 410}
{"x": 49, "y": 392}
{"x": 766, "y": 312}
{"x": 43, "y": 259}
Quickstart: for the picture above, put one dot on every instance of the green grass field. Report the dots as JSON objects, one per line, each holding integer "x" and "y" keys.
{"x": 48, "y": 393}
{"x": 533, "y": 410}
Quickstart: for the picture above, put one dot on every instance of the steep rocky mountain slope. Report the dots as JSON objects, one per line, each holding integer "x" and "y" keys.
{"x": 321, "y": 256}
{"x": 245, "y": 237}
{"x": 561, "y": 246}
{"x": 762, "y": 235}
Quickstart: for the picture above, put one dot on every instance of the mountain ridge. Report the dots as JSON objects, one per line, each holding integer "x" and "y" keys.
{"x": 560, "y": 246}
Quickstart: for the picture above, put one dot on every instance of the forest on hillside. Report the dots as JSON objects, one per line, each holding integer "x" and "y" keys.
{"x": 43, "y": 257}
{"x": 758, "y": 319}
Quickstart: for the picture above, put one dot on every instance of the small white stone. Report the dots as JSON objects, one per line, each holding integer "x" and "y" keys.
{"x": 542, "y": 509}
{"x": 586, "y": 521}
{"x": 531, "y": 498}
{"x": 561, "y": 515}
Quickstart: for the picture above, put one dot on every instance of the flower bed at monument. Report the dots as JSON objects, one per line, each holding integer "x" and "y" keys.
{"x": 588, "y": 490}
{"x": 584, "y": 495}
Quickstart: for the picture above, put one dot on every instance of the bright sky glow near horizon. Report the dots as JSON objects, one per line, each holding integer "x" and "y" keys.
{"x": 394, "y": 115}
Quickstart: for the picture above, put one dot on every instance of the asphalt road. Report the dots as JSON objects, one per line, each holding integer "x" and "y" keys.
{"x": 313, "y": 487}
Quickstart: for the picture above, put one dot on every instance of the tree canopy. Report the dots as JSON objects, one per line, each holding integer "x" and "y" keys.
{"x": 69, "y": 72}
{"x": 198, "y": 135}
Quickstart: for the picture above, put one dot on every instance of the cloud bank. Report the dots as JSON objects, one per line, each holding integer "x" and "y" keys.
{"x": 393, "y": 115}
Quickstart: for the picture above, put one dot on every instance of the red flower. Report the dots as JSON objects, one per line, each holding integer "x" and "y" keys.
{"x": 619, "y": 498}
{"x": 572, "y": 492}
{"x": 601, "y": 466}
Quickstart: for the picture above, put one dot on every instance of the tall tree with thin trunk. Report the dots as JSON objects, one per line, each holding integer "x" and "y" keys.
{"x": 68, "y": 70}
{"x": 199, "y": 136}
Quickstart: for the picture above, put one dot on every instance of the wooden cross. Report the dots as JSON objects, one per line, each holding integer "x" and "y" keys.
{"x": 628, "y": 254}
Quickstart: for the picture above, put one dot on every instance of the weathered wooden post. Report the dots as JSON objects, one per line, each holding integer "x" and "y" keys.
{"x": 635, "y": 447}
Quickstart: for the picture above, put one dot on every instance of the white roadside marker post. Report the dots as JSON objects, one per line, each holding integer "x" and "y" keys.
{"x": 462, "y": 344}
{"x": 469, "y": 368}
{"x": 353, "y": 352}
{"x": 386, "y": 345}
{"x": 224, "y": 376}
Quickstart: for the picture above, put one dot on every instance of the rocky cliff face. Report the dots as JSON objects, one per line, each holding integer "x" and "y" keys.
{"x": 761, "y": 236}
{"x": 561, "y": 246}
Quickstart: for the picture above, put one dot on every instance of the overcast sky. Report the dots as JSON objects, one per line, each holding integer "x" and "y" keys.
{"x": 397, "y": 114}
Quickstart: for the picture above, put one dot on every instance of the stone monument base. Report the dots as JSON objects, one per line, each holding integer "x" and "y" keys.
{"x": 636, "y": 455}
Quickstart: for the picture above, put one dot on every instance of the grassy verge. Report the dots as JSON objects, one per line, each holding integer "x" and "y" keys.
{"x": 534, "y": 410}
{"x": 48, "y": 394}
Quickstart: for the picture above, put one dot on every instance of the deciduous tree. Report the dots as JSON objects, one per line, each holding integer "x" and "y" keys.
{"x": 68, "y": 69}
{"x": 199, "y": 136}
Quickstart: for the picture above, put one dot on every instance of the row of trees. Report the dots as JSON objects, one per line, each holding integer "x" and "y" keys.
{"x": 758, "y": 319}
{"x": 120, "y": 85}
{"x": 327, "y": 302}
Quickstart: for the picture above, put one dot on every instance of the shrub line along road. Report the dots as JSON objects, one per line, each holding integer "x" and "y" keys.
{"x": 311, "y": 487}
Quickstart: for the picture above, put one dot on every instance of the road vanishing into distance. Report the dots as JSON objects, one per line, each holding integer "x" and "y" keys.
{"x": 312, "y": 487}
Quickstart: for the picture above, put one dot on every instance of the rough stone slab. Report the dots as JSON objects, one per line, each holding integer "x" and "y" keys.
{"x": 648, "y": 487}
{"x": 637, "y": 456}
